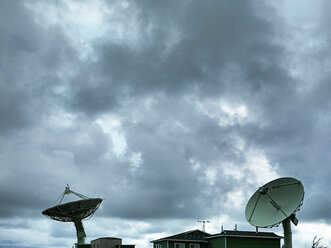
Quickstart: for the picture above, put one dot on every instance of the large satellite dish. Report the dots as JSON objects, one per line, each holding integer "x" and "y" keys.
{"x": 274, "y": 203}
{"x": 74, "y": 211}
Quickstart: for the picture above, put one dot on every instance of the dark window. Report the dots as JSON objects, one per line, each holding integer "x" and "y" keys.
{"x": 179, "y": 245}
{"x": 194, "y": 245}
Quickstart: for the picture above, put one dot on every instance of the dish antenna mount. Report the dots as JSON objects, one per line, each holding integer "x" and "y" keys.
{"x": 74, "y": 211}
{"x": 274, "y": 203}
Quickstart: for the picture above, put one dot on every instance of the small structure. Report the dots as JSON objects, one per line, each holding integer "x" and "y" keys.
{"x": 109, "y": 242}
{"x": 225, "y": 239}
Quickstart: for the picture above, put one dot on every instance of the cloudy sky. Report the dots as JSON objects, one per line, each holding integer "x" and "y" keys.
{"x": 171, "y": 111}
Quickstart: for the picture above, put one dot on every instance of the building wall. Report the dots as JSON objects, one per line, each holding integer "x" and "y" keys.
{"x": 82, "y": 245}
{"x": 171, "y": 244}
{"x": 217, "y": 243}
{"x": 162, "y": 244}
{"x": 125, "y": 246}
{"x": 233, "y": 242}
{"x": 106, "y": 243}
{"x": 237, "y": 242}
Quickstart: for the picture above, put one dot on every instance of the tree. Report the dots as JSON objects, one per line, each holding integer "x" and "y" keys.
{"x": 317, "y": 243}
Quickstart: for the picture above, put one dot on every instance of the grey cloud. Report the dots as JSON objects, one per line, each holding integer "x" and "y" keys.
{"x": 31, "y": 55}
{"x": 187, "y": 53}
{"x": 317, "y": 208}
{"x": 210, "y": 39}
{"x": 20, "y": 37}
{"x": 165, "y": 184}
{"x": 38, "y": 172}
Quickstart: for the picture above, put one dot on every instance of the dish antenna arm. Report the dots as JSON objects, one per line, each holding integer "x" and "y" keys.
{"x": 273, "y": 203}
{"x": 68, "y": 191}
{"x": 282, "y": 185}
{"x": 250, "y": 217}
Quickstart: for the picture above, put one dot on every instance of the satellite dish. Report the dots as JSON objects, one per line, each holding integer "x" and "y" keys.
{"x": 274, "y": 203}
{"x": 74, "y": 212}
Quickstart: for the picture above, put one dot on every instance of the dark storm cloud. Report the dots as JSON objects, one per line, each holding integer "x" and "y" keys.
{"x": 187, "y": 56}
{"x": 30, "y": 57}
{"x": 295, "y": 131}
{"x": 211, "y": 45}
{"x": 317, "y": 208}
{"x": 39, "y": 170}
{"x": 216, "y": 39}
{"x": 165, "y": 183}
{"x": 12, "y": 244}
{"x": 17, "y": 38}
{"x": 207, "y": 40}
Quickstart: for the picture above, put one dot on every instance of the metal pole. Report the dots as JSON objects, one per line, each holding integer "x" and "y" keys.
{"x": 287, "y": 233}
{"x": 80, "y": 232}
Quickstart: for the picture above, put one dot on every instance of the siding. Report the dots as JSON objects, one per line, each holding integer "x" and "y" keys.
{"x": 217, "y": 243}
{"x": 252, "y": 243}
{"x": 172, "y": 244}
{"x": 162, "y": 243}
{"x": 237, "y": 242}
{"x": 187, "y": 244}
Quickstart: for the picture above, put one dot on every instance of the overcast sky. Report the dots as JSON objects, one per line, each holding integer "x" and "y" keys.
{"x": 171, "y": 111}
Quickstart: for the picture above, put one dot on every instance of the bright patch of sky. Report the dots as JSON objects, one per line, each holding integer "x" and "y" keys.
{"x": 112, "y": 126}
{"x": 227, "y": 113}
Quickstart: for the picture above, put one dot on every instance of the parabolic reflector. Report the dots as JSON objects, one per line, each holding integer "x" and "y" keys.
{"x": 274, "y": 202}
{"x": 74, "y": 211}
{"x": 71, "y": 211}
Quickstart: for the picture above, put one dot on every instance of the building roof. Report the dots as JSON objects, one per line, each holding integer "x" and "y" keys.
{"x": 245, "y": 234}
{"x": 113, "y": 238}
{"x": 193, "y": 236}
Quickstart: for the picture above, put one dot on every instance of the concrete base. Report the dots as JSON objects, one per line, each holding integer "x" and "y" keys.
{"x": 82, "y": 245}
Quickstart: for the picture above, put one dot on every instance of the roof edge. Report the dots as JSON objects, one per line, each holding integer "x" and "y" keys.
{"x": 169, "y": 238}
{"x": 224, "y": 234}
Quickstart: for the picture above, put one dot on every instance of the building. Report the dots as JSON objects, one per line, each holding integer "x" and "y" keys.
{"x": 109, "y": 242}
{"x": 190, "y": 239}
{"x": 244, "y": 239}
{"x": 225, "y": 239}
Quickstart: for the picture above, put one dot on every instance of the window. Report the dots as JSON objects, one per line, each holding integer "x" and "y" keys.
{"x": 179, "y": 245}
{"x": 194, "y": 245}
{"x": 158, "y": 246}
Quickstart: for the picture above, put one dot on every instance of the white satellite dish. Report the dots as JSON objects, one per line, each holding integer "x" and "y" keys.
{"x": 276, "y": 202}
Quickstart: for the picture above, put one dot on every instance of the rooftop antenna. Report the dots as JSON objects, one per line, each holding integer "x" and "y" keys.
{"x": 74, "y": 212}
{"x": 274, "y": 203}
{"x": 203, "y": 224}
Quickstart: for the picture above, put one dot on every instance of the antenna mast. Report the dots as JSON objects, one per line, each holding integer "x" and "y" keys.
{"x": 203, "y": 224}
